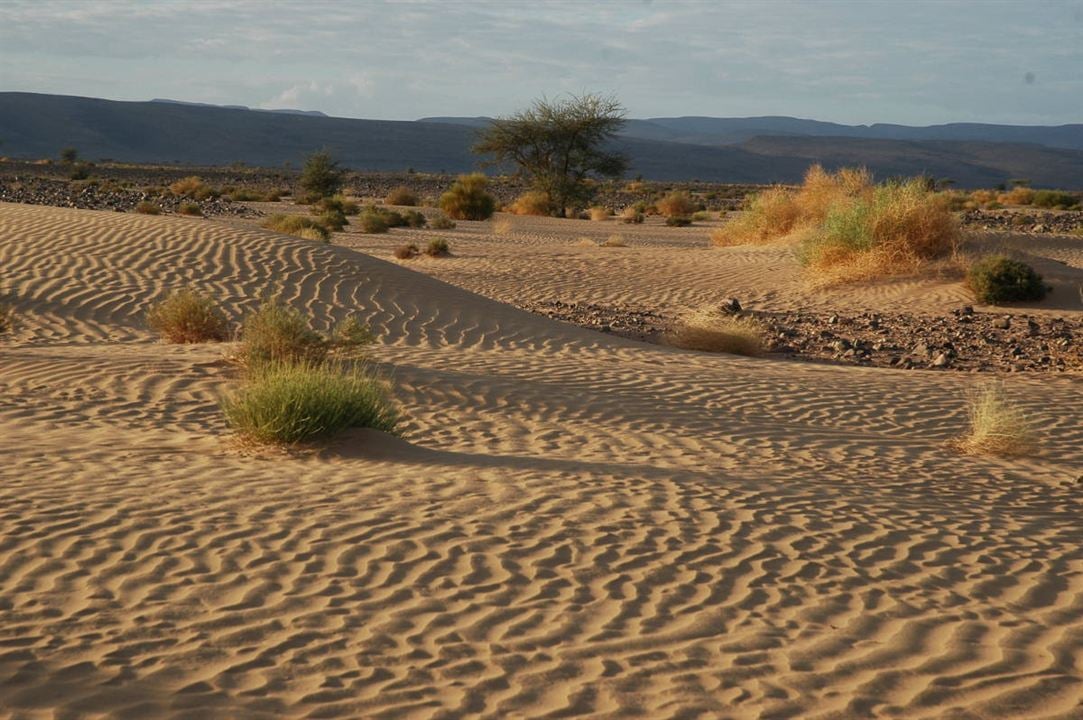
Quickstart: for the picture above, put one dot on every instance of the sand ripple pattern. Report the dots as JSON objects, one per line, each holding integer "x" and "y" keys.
{"x": 574, "y": 525}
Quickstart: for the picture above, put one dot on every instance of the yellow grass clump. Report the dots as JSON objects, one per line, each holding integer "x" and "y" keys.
{"x": 187, "y": 316}
{"x": 712, "y": 330}
{"x": 401, "y": 195}
{"x": 997, "y": 426}
{"x": 191, "y": 187}
{"x": 147, "y": 208}
{"x": 615, "y": 241}
{"x": 676, "y": 204}
{"x": 468, "y": 199}
{"x": 600, "y": 214}
{"x": 771, "y": 214}
{"x": 1016, "y": 196}
{"x": 532, "y": 202}
{"x": 299, "y": 225}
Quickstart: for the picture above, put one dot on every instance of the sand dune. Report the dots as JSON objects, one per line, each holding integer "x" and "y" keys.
{"x": 573, "y": 525}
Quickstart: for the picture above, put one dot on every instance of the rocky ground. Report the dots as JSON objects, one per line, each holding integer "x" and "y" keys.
{"x": 964, "y": 341}
{"x": 1033, "y": 221}
{"x": 107, "y": 196}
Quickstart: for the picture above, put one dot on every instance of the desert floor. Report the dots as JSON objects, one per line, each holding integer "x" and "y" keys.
{"x": 572, "y": 524}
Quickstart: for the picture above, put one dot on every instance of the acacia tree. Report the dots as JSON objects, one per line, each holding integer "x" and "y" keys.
{"x": 321, "y": 176}
{"x": 558, "y": 144}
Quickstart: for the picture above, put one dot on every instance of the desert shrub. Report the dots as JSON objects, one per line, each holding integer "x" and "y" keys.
{"x": 190, "y": 209}
{"x": 997, "y": 426}
{"x": 701, "y": 216}
{"x": 711, "y": 330}
{"x": 533, "y": 202}
{"x": 953, "y": 200}
{"x": 631, "y": 215}
{"x": 147, "y": 208}
{"x": 892, "y": 228}
{"x": 770, "y": 215}
{"x": 374, "y": 222}
{"x": 278, "y": 333}
{"x": 298, "y": 225}
{"x": 615, "y": 241}
{"x": 981, "y": 198}
{"x": 442, "y": 222}
{"x": 79, "y": 171}
{"x": 401, "y": 195}
{"x": 1054, "y": 199}
{"x": 190, "y": 187}
{"x": 678, "y": 221}
{"x": 321, "y": 176}
{"x": 467, "y": 199}
{"x": 333, "y": 220}
{"x": 676, "y": 204}
{"x": 600, "y": 214}
{"x": 438, "y": 247}
{"x": 186, "y": 316}
{"x": 822, "y": 190}
{"x": 997, "y": 278}
{"x": 414, "y": 219}
{"x": 1018, "y": 195}
{"x": 351, "y": 335}
{"x": 290, "y": 403}
{"x": 407, "y": 251}
{"x": 336, "y": 204}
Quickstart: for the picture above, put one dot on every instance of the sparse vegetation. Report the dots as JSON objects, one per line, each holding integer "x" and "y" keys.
{"x": 712, "y": 330}
{"x": 676, "y": 204}
{"x": 997, "y": 426}
{"x": 701, "y": 216}
{"x": 770, "y": 215}
{"x": 147, "y": 208}
{"x": 407, "y": 251}
{"x": 467, "y": 199}
{"x": 336, "y": 204}
{"x": 442, "y": 222}
{"x": 186, "y": 316}
{"x": 532, "y": 202}
{"x": 615, "y": 241}
{"x": 299, "y": 225}
{"x": 631, "y": 215}
{"x": 374, "y": 222}
{"x": 997, "y": 278}
{"x": 678, "y": 221}
{"x": 321, "y": 176}
{"x": 1054, "y": 199}
{"x": 191, "y": 187}
{"x": 600, "y": 214}
{"x": 291, "y": 403}
{"x": 278, "y": 333}
{"x": 190, "y": 209}
{"x": 333, "y": 220}
{"x": 438, "y": 247}
{"x": 401, "y": 195}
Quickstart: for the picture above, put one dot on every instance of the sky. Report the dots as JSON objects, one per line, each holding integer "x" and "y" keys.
{"x": 912, "y": 62}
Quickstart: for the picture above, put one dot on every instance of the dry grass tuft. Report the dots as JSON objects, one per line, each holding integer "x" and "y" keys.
{"x": 190, "y": 187}
{"x": 401, "y": 195}
{"x": 631, "y": 215}
{"x": 615, "y": 241}
{"x": 676, "y": 204}
{"x": 299, "y": 225}
{"x": 468, "y": 199}
{"x": 147, "y": 208}
{"x": 190, "y": 209}
{"x": 997, "y": 426}
{"x": 712, "y": 330}
{"x": 408, "y": 251}
{"x": 772, "y": 214}
{"x": 532, "y": 203}
{"x": 600, "y": 214}
{"x": 186, "y": 316}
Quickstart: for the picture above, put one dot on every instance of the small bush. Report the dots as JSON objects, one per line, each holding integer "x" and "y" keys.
{"x": 678, "y": 221}
{"x": 147, "y": 208}
{"x": 995, "y": 279}
{"x": 714, "y": 331}
{"x": 287, "y": 404}
{"x": 298, "y": 225}
{"x": 438, "y": 247}
{"x": 321, "y": 176}
{"x": 600, "y": 214}
{"x": 401, "y": 195}
{"x": 997, "y": 427}
{"x": 333, "y": 220}
{"x": 631, "y": 215}
{"x": 770, "y": 214}
{"x": 1054, "y": 199}
{"x": 532, "y": 203}
{"x": 615, "y": 241}
{"x": 190, "y": 209}
{"x": 701, "y": 216}
{"x": 676, "y": 204}
{"x": 374, "y": 222}
{"x": 79, "y": 171}
{"x": 190, "y": 187}
{"x": 442, "y": 222}
{"x": 350, "y": 335}
{"x": 467, "y": 199}
{"x": 414, "y": 219}
{"x": 278, "y": 333}
{"x": 1017, "y": 196}
{"x": 407, "y": 251}
{"x": 186, "y": 316}
{"x": 337, "y": 204}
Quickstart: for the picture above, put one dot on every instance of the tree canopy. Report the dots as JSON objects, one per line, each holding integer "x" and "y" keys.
{"x": 559, "y": 144}
{"x": 321, "y": 176}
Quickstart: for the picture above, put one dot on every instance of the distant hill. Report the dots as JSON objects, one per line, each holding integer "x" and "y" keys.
{"x": 35, "y": 125}
{"x": 286, "y": 111}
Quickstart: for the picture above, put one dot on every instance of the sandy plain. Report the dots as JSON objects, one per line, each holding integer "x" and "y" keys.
{"x": 571, "y": 525}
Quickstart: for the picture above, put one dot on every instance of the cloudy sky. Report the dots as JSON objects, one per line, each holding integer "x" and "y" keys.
{"x": 852, "y": 61}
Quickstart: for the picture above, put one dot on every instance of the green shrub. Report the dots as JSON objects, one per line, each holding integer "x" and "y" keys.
{"x": 337, "y": 204}
{"x": 401, "y": 195}
{"x": 287, "y": 404}
{"x": 321, "y": 176}
{"x": 186, "y": 316}
{"x": 631, "y": 215}
{"x": 278, "y": 333}
{"x": 350, "y": 335}
{"x": 1054, "y": 199}
{"x": 438, "y": 247}
{"x": 442, "y": 222}
{"x": 996, "y": 279}
{"x": 374, "y": 222}
{"x": 190, "y": 209}
{"x": 299, "y": 225}
{"x": 414, "y": 219}
{"x": 147, "y": 208}
{"x": 678, "y": 221}
{"x": 333, "y": 220}
{"x": 467, "y": 199}
{"x": 701, "y": 216}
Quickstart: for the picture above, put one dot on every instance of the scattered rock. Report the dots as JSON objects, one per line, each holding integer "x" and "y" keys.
{"x": 1002, "y": 323}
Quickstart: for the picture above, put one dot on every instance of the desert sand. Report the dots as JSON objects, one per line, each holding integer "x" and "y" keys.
{"x": 572, "y": 524}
